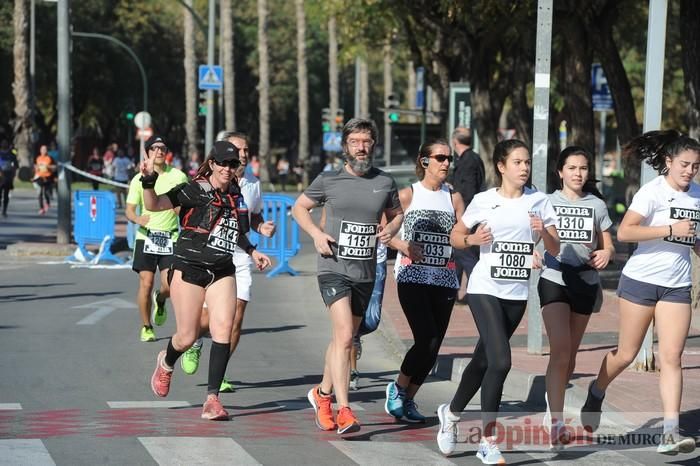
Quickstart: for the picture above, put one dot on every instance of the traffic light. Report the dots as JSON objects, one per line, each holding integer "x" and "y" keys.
{"x": 392, "y": 108}
{"x": 129, "y": 115}
{"x": 326, "y": 120}
{"x": 203, "y": 103}
{"x": 339, "y": 119}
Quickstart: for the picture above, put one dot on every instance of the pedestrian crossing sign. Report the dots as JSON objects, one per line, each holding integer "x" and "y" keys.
{"x": 211, "y": 77}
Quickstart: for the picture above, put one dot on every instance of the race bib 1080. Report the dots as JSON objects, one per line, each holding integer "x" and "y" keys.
{"x": 357, "y": 240}
{"x": 575, "y": 224}
{"x": 436, "y": 248}
{"x": 680, "y": 213}
{"x": 511, "y": 260}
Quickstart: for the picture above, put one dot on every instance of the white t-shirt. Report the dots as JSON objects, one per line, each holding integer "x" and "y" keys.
{"x": 504, "y": 266}
{"x": 252, "y": 194}
{"x": 664, "y": 261}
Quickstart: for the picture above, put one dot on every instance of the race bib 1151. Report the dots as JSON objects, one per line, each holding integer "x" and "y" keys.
{"x": 357, "y": 240}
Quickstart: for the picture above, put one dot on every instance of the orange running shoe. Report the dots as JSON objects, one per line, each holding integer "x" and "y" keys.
{"x": 322, "y": 408}
{"x": 160, "y": 381}
{"x": 347, "y": 422}
{"x": 212, "y": 409}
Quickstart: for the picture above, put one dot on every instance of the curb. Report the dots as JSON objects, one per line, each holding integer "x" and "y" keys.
{"x": 39, "y": 249}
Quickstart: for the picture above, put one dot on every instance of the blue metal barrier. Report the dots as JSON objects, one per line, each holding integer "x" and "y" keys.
{"x": 94, "y": 219}
{"x": 285, "y": 243}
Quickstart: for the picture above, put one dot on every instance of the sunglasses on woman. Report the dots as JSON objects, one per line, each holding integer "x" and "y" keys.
{"x": 441, "y": 158}
{"x": 233, "y": 163}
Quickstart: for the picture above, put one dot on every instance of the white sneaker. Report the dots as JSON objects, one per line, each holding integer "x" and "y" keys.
{"x": 671, "y": 445}
{"x": 488, "y": 451}
{"x": 447, "y": 435}
{"x": 547, "y": 419}
{"x": 559, "y": 436}
{"x": 354, "y": 379}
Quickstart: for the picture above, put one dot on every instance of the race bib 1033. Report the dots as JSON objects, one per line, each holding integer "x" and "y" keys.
{"x": 436, "y": 248}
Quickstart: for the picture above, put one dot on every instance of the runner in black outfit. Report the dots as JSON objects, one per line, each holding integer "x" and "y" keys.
{"x": 203, "y": 269}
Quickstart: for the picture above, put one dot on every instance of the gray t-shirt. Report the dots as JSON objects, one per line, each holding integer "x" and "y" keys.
{"x": 579, "y": 226}
{"x": 354, "y": 207}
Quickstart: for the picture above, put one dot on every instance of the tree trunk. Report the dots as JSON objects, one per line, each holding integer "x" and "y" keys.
{"x": 303, "y": 82}
{"x": 575, "y": 82}
{"x": 333, "y": 66}
{"x": 263, "y": 92}
{"x": 190, "y": 83}
{"x": 20, "y": 86}
{"x": 364, "y": 88}
{"x": 690, "y": 43}
{"x": 600, "y": 31}
{"x": 388, "y": 90}
{"x": 690, "y": 52}
{"x": 228, "y": 64}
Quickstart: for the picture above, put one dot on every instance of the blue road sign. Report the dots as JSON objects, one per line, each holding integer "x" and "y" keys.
{"x": 211, "y": 78}
{"x": 331, "y": 141}
{"x": 600, "y": 92}
{"x": 420, "y": 91}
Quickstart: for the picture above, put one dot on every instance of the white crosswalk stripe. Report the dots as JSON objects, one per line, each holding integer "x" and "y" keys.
{"x": 148, "y": 404}
{"x": 24, "y": 451}
{"x": 10, "y": 406}
{"x": 196, "y": 451}
{"x": 383, "y": 453}
{"x": 571, "y": 457}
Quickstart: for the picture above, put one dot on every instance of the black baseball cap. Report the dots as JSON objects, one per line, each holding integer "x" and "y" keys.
{"x": 224, "y": 151}
{"x": 153, "y": 140}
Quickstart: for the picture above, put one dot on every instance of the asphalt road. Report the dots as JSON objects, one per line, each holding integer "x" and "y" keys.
{"x": 74, "y": 388}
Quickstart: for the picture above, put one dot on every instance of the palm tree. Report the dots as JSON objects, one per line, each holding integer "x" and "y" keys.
{"x": 228, "y": 64}
{"x": 303, "y": 83}
{"x": 20, "y": 87}
{"x": 263, "y": 91}
{"x": 190, "y": 84}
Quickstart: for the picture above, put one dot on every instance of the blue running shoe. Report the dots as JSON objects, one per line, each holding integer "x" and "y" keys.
{"x": 410, "y": 412}
{"x": 394, "y": 400}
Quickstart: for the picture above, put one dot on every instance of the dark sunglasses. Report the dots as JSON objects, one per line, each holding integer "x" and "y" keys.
{"x": 441, "y": 158}
{"x": 163, "y": 149}
{"x": 233, "y": 163}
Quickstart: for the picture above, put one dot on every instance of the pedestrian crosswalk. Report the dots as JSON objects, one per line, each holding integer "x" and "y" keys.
{"x": 226, "y": 450}
{"x": 261, "y": 438}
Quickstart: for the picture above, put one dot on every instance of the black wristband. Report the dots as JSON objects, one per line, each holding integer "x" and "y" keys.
{"x": 250, "y": 248}
{"x": 149, "y": 181}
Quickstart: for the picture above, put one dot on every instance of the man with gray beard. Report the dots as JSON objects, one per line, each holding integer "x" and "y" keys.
{"x": 355, "y": 198}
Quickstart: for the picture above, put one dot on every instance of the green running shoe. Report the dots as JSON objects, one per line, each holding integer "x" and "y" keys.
{"x": 226, "y": 387}
{"x": 190, "y": 360}
{"x": 160, "y": 313}
{"x": 147, "y": 334}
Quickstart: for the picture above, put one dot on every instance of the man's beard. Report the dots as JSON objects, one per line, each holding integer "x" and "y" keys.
{"x": 360, "y": 167}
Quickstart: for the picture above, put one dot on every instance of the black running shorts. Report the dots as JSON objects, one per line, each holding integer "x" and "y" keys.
{"x": 334, "y": 287}
{"x": 149, "y": 262}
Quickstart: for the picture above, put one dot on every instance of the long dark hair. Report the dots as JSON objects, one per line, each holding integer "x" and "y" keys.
{"x": 501, "y": 153}
{"x": 589, "y": 186}
{"x": 654, "y": 147}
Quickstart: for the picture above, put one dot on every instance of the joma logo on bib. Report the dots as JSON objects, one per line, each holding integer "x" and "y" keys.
{"x": 357, "y": 240}
{"x": 224, "y": 236}
{"x": 436, "y": 248}
{"x": 680, "y": 213}
{"x": 511, "y": 260}
{"x": 574, "y": 224}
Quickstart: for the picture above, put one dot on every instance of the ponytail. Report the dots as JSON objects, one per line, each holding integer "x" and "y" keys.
{"x": 654, "y": 147}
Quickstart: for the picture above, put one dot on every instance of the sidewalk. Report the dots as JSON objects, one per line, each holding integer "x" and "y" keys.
{"x": 632, "y": 395}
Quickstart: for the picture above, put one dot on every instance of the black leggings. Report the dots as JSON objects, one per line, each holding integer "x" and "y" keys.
{"x": 428, "y": 309}
{"x": 4, "y": 197}
{"x": 496, "y": 319}
{"x": 45, "y": 187}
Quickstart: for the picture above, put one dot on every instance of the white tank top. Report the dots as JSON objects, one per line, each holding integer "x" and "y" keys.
{"x": 428, "y": 220}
